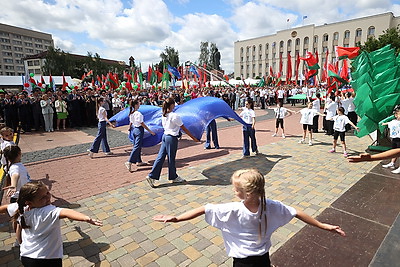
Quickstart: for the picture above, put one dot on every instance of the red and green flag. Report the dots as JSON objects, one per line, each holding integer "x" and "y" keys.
{"x": 332, "y": 73}
{"x": 312, "y": 64}
{"x": 346, "y": 52}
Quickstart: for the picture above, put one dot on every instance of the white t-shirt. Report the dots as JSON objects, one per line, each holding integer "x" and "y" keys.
{"x": 136, "y": 118}
{"x": 307, "y": 116}
{"x": 280, "y": 113}
{"x": 247, "y": 115}
{"x": 24, "y": 177}
{"x": 351, "y": 107}
{"x": 3, "y": 145}
{"x": 240, "y": 227}
{"x": 331, "y": 110}
{"x": 394, "y": 127}
{"x": 316, "y": 104}
{"x": 12, "y": 209}
{"x": 43, "y": 239}
{"x": 172, "y": 124}
{"x": 340, "y": 122}
{"x": 102, "y": 114}
{"x": 281, "y": 93}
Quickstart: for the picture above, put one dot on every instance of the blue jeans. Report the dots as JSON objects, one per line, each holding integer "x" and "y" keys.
{"x": 169, "y": 146}
{"x": 211, "y": 133}
{"x": 100, "y": 138}
{"x": 138, "y": 133}
{"x": 249, "y": 134}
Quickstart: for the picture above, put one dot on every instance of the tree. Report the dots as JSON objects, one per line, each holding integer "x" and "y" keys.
{"x": 390, "y": 36}
{"x": 170, "y": 56}
{"x": 208, "y": 52}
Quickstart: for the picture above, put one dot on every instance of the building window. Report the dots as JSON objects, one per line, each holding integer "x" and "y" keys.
{"x": 28, "y": 44}
{"x": 304, "y": 52}
{"x": 4, "y": 40}
{"x": 10, "y": 73}
{"x": 38, "y": 40}
{"x": 273, "y": 55}
{"x": 298, "y": 41}
{"x": 28, "y": 38}
{"x": 260, "y": 48}
{"x": 37, "y": 71}
{"x": 371, "y": 31}
{"x": 38, "y": 51}
{"x": 30, "y": 63}
{"x": 7, "y": 60}
{"x": 260, "y": 57}
{"x": 36, "y": 62}
{"x": 6, "y": 47}
{"x": 16, "y": 48}
{"x": 266, "y": 48}
{"x": 273, "y": 44}
{"x": 9, "y": 67}
{"x": 346, "y": 34}
{"x": 241, "y": 50}
{"x": 7, "y": 54}
{"x": 38, "y": 46}
{"x": 336, "y": 36}
{"x": 18, "y": 61}
{"x": 17, "y": 36}
{"x": 289, "y": 44}
{"x": 4, "y": 34}
{"x": 324, "y": 49}
{"x": 325, "y": 37}
{"x": 281, "y": 44}
{"x": 254, "y": 57}
{"x": 254, "y": 48}
{"x": 17, "y": 42}
{"x": 315, "y": 39}
{"x": 19, "y": 55}
{"x": 241, "y": 59}
{"x": 241, "y": 67}
{"x": 358, "y": 32}
{"x": 306, "y": 40}
{"x": 247, "y": 50}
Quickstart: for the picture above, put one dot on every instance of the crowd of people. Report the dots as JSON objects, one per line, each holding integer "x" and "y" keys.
{"x": 34, "y": 217}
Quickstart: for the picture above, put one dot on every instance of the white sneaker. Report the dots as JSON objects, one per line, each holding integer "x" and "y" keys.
{"x": 108, "y": 153}
{"x": 389, "y": 165}
{"x": 310, "y": 143}
{"x": 128, "y": 165}
{"x": 179, "y": 180}
{"x": 301, "y": 141}
{"x": 274, "y": 135}
{"x": 396, "y": 171}
{"x": 90, "y": 154}
{"x": 283, "y": 136}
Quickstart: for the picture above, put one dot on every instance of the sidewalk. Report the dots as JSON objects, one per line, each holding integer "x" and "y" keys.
{"x": 306, "y": 177}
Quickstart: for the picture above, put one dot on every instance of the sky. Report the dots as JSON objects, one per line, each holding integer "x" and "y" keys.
{"x": 118, "y": 29}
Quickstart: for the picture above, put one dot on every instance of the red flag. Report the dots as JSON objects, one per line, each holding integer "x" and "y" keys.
{"x": 149, "y": 73}
{"x": 99, "y": 79}
{"x": 83, "y": 76}
{"x": 344, "y": 52}
{"x": 226, "y": 77}
{"x": 65, "y": 84}
{"x": 289, "y": 69}
{"x": 344, "y": 74}
{"x": 325, "y": 67}
{"x": 297, "y": 67}
{"x": 135, "y": 77}
{"x": 205, "y": 75}
{"x": 280, "y": 64}
{"x": 89, "y": 73}
{"x": 42, "y": 80}
{"x": 271, "y": 72}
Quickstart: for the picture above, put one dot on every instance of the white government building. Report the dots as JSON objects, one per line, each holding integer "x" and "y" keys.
{"x": 253, "y": 57}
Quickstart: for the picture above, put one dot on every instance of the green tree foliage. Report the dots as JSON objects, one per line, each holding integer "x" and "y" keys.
{"x": 59, "y": 62}
{"x": 207, "y": 55}
{"x": 390, "y": 36}
{"x": 169, "y": 56}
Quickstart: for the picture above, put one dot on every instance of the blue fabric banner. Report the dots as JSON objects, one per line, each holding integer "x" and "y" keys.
{"x": 196, "y": 114}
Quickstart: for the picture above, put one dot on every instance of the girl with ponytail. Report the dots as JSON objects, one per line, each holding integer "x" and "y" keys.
{"x": 247, "y": 225}
{"x": 39, "y": 223}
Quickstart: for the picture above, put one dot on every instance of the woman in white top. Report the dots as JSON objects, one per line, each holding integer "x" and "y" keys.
{"x": 16, "y": 170}
{"x": 61, "y": 109}
{"x": 172, "y": 124}
{"x": 136, "y": 126}
{"x": 48, "y": 113}
{"x": 101, "y": 134}
{"x": 249, "y": 131}
{"x": 39, "y": 223}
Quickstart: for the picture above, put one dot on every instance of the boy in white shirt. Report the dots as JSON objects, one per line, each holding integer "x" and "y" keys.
{"x": 280, "y": 113}
{"x": 339, "y": 127}
{"x": 394, "y": 127}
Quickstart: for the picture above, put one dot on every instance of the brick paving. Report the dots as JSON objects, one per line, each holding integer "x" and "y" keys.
{"x": 307, "y": 177}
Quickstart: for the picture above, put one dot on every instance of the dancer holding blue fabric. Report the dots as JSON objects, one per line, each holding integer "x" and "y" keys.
{"x": 172, "y": 124}
{"x": 137, "y": 126}
{"x": 249, "y": 132}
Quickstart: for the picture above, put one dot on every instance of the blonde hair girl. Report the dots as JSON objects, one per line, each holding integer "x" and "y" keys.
{"x": 247, "y": 225}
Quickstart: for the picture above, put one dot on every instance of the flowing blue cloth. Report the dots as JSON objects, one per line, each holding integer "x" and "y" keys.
{"x": 196, "y": 114}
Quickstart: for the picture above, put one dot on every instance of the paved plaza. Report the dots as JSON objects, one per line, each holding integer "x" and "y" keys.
{"x": 362, "y": 198}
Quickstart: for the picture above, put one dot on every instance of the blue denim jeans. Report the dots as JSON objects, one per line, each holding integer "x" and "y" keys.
{"x": 138, "y": 133}
{"x": 249, "y": 134}
{"x": 169, "y": 146}
{"x": 100, "y": 138}
{"x": 211, "y": 134}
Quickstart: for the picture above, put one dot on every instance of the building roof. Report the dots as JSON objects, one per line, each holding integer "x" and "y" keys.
{"x": 107, "y": 61}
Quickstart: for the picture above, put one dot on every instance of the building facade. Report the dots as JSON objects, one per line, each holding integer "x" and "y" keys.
{"x": 254, "y": 57}
{"x": 17, "y": 43}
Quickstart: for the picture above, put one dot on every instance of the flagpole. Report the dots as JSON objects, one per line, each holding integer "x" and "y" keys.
{"x": 207, "y": 71}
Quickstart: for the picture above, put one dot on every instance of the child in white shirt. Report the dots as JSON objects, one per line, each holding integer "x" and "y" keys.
{"x": 339, "y": 127}
{"x": 394, "y": 127}
{"x": 280, "y": 113}
{"x": 247, "y": 225}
